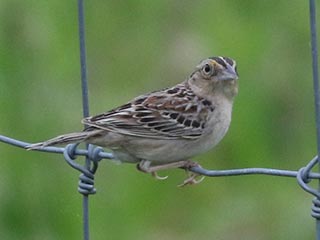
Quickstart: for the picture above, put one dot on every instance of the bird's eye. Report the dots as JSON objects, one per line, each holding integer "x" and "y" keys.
{"x": 207, "y": 69}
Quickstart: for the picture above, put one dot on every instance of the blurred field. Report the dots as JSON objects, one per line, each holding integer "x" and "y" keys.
{"x": 134, "y": 47}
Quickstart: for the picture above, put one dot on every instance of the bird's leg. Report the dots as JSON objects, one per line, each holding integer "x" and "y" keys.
{"x": 191, "y": 179}
{"x": 145, "y": 166}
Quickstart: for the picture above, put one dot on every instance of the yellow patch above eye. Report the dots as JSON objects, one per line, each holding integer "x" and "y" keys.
{"x": 213, "y": 62}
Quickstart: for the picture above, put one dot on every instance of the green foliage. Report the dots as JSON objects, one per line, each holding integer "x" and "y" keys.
{"x": 135, "y": 47}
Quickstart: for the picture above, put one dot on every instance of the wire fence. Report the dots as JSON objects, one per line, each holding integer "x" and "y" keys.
{"x": 94, "y": 154}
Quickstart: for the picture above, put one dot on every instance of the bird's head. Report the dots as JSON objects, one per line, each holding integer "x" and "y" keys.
{"x": 215, "y": 75}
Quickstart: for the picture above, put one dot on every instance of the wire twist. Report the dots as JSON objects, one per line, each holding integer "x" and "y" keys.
{"x": 315, "y": 209}
{"x": 86, "y": 183}
{"x": 304, "y": 178}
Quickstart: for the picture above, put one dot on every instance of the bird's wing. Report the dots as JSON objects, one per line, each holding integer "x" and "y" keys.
{"x": 171, "y": 113}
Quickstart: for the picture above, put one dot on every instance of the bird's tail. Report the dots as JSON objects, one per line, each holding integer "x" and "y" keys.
{"x": 64, "y": 139}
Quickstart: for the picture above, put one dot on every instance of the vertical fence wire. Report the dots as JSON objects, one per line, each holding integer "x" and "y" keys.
{"x": 85, "y": 105}
{"x": 83, "y": 62}
{"x": 314, "y": 53}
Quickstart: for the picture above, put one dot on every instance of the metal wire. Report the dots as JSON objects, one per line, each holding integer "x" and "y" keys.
{"x": 83, "y": 61}
{"x": 97, "y": 154}
{"x": 87, "y": 177}
{"x": 59, "y": 150}
{"x": 314, "y": 53}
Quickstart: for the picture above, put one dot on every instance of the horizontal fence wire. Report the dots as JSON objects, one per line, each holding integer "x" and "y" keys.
{"x": 59, "y": 150}
{"x": 198, "y": 169}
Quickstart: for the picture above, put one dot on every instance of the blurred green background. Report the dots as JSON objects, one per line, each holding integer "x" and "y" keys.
{"x": 134, "y": 47}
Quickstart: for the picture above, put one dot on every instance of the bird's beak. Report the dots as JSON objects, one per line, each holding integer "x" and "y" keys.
{"x": 228, "y": 74}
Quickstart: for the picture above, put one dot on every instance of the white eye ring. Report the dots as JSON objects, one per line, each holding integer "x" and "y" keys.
{"x": 207, "y": 69}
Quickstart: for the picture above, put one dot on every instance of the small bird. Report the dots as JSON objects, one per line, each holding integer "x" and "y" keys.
{"x": 164, "y": 129}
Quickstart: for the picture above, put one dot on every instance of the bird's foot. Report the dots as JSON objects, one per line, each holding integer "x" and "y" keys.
{"x": 146, "y": 167}
{"x": 156, "y": 176}
{"x": 192, "y": 179}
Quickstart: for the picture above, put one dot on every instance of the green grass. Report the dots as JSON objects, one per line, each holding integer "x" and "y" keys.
{"x": 134, "y": 47}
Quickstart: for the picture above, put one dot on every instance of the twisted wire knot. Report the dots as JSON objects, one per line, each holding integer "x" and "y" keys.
{"x": 315, "y": 209}
{"x": 304, "y": 172}
{"x": 94, "y": 153}
{"x": 86, "y": 182}
{"x": 304, "y": 178}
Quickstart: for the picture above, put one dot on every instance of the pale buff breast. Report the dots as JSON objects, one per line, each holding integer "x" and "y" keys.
{"x": 134, "y": 149}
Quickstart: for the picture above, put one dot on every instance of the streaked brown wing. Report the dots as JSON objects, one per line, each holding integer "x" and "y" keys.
{"x": 169, "y": 114}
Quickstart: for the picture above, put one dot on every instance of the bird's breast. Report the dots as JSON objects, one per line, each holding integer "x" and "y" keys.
{"x": 218, "y": 124}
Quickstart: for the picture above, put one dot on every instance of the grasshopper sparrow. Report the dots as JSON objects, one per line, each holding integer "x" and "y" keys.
{"x": 165, "y": 128}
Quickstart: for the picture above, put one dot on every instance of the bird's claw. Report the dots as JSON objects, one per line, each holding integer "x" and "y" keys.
{"x": 192, "y": 177}
{"x": 145, "y": 166}
{"x": 156, "y": 176}
{"x": 191, "y": 180}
